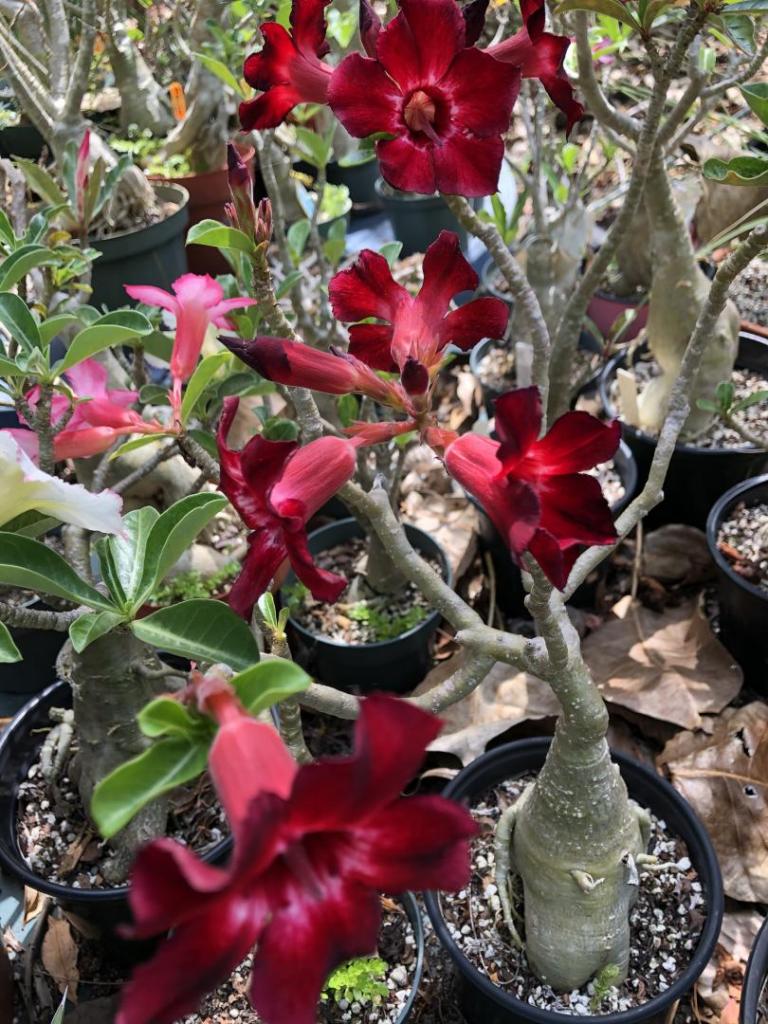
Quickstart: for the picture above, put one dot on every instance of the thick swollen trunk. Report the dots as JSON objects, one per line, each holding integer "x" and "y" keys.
{"x": 678, "y": 292}
{"x": 111, "y": 681}
{"x": 142, "y": 99}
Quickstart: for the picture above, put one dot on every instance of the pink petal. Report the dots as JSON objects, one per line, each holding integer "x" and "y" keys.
{"x": 313, "y": 474}
{"x": 364, "y": 97}
{"x": 87, "y": 441}
{"x": 518, "y": 421}
{"x": 367, "y": 289}
{"x": 198, "y": 289}
{"x": 152, "y": 296}
{"x": 481, "y": 318}
{"x": 218, "y": 313}
{"x": 89, "y": 379}
{"x": 26, "y": 440}
{"x": 575, "y": 442}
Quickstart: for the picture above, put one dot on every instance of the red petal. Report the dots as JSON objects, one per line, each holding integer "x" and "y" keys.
{"x": 575, "y": 442}
{"x": 377, "y": 433}
{"x": 364, "y": 97}
{"x": 418, "y": 843}
{"x": 518, "y": 421}
{"x": 323, "y": 585}
{"x": 534, "y": 14}
{"x": 474, "y": 76}
{"x": 446, "y": 273}
{"x": 266, "y": 552}
{"x": 308, "y": 24}
{"x": 407, "y": 165}
{"x": 268, "y": 110}
{"x": 481, "y": 318}
{"x": 555, "y": 560}
{"x": 372, "y": 344}
{"x": 468, "y": 166}
{"x": 391, "y": 737}
{"x": 367, "y": 289}
{"x": 198, "y": 956}
{"x": 574, "y": 510}
{"x": 369, "y": 26}
{"x": 313, "y": 474}
{"x": 290, "y": 362}
{"x": 511, "y": 504}
{"x": 305, "y": 941}
{"x": 418, "y": 45}
{"x": 271, "y": 65}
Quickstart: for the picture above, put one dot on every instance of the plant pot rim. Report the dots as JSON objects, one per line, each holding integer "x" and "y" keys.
{"x": 638, "y": 299}
{"x": 755, "y": 977}
{"x": 717, "y": 513}
{"x": 178, "y": 194}
{"x": 386, "y": 191}
{"x": 16, "y": 864}
{"x": 411, "y": 907}
{"x": 700, "y": 955}
{"x": 687, "y": 449}
{"x": 431, "y": 619}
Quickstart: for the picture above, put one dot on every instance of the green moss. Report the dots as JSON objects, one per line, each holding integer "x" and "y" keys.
{"x": 359, "y": 981}
{"x": 188, "y": 586}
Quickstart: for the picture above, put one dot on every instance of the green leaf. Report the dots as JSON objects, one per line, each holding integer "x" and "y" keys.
{"x": 137, "y": 442}
{"x": 9, "y": 652}
{"x": 297, "y": 235}
{"x": 391, "y": 251}
{"x": 204, "y": 373}
{"x": 348, "y": 408}
{"x": 707, "y": 405}
{"x": 746, "y": 7}
{"x": 652, "y": 11}
{"x": 30, "y": 524}
{"x": 165, "y": 765}
{"x": 749, "y": 171}
{"x": 750, "y": 400}
{"x": 129, "y": 551}
{"x": 28, "y": 564}
{"x": 19, "y": 264}
{"x": 206, "y": 440}
{"x": 9, "y": 369}
{"x": 756, "y": 96}
{"x": 611, "y": 8}
{"x": 278, "y": 429}
{"x": 165, "y": 716}
{"x": 116, "y": 328}
{"x": 91, "y": 626}
{"x": 158, "y": 345}
{"x": 313, "y": 147}
{"x": 172, "y": 533}
{"x": 108, "y": 571}
{"x": 266, "y": 604}
{"x": 16, "y": 318}
{"x": 7, "y": 234}
{"x": 201, "y": 630}
{"x": 269, "y": 682}
{"x": 54, "y": 325}
{"x": 221, "y": 71}
{"x": 210, "y": 232}
{"x": 41, "y": 182}
{"x": 58, "y": 1017}
{"x": 288, "y": 282}
{"x": 741, "y": 30}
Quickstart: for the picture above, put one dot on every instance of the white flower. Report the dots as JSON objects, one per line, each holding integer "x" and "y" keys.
{"x": 24, "y": 488}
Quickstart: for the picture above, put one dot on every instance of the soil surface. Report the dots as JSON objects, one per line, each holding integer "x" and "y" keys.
{"x": 359, "y": 616}
{"x": 496, "y": 370}
{"x": 666, "y": 922}
{"x": 748, "y": 291}
{"x": 743, "y": 539}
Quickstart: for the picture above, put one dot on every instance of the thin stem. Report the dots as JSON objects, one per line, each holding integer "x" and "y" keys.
{"x": 196, "y": 455}
{"x": 146, "y": 468}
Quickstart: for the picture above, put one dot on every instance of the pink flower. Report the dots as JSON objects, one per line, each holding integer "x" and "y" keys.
{"x": 277, "y": 487}
{"x": 101, "y": 415}
{"x": 288, "y": 69}
{"x": 445, "y": 104}
{"x": 416, "y": 329}
{"x": 535, "y": 491}
{"x": 81, "y": 174}
{"x": 303, "y": 881}
{"x": 198, "y": 301}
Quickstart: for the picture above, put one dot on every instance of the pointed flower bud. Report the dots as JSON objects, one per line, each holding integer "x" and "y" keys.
{"x": 241, "y": 188}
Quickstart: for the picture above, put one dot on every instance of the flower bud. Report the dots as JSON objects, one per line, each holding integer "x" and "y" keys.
{"x": 415, "y": 377}
{"x": 241, "y": 188}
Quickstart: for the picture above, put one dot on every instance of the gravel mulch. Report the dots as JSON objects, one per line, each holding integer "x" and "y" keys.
{"x": 748, "y": 291}
{"x": 743, "y": 539}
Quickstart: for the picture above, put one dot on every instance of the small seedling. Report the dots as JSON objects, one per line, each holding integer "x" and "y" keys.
{"x": 359, "y": 981}
{"x": 604, "y": 981}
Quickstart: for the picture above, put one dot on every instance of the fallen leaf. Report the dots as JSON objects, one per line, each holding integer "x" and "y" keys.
{"x": 59, "y": 955}
{"x": 739, "y": 931}
{"x": 504, "y": 698}
{"x": 450, "y": 520}
{"x": 34, "y": 902}
{"x": 74, "y": 852}
{"x": 724, "y": 777}
{"x": 677, "y": 553}
{"x": 668, "y": 665}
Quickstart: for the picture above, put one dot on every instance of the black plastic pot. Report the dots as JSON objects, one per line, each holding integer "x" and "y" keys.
{"x": 19, "y": 745}
{"x": 743, "y": 605}
{"x": 152, "y": 255}
{"x": 510, "y": 593}
{"x": 417, "y": 220}
{"x": 39, "y": 649}
{"x": 480, "y": 1000}
{"x": 411, "y": 908}
{"x": 755, "y": 978}
{"x": 393, "y": 665}
{"x": 697, "y": 476}
{"x": 21, "y": 140}
{"x": 487, "y": 274}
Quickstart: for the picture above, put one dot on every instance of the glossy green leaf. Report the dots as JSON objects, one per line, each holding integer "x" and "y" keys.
{"x": 19, "y": 264}
{"x": 222, "y": 72}
{"x": 137, "y": 442}
{"x": 116, "y": 328}
{"x": 9, "y": 652}
{"x": 30, "y": 524}
{"x": 201, "y": 630}
{"x": 747, "y": 7}
{"x": 747, "y": 171}
{"x": 129, "y": 550}
{"x": 41, "y": 182}
{"x": 172, "y": 533}
{"x": 92, "y": 626}
{"x": 162, "y": 767}
{"x": 269, "y": 682}
{"x": 55, "y": 324}
{"x": 210, "y": 232}
{"x": 9, "y": 369}
{"x": 746, "y": 403}
{"x": 58, "y": 1017}
{"x": 756, "y": 95}
{"x": 165, "y": 716}
{"x": 611, "y": 8}
{"x": 28, "y": 564}
{"x": 740, "y": 28}
{"x": 288, "y": 282}
{"x": 204, "y": 373}
{"x": 16, "y": 318}
{"x": 391, "y": 251}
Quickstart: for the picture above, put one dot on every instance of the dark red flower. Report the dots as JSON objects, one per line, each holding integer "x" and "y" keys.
{"x": 536, "y": 491}
{"x": 540, "y": 54}
{"x": 288, "y": 69}
{"x": 416, "y": 329}
{"x": 277, "y": 487}
{"x": 445, "y": 104}
{"x": 298, "y": 365}
{"x": 303, "y": 880}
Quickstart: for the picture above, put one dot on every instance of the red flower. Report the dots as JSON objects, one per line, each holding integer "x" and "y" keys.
{"x": 540, "y": 55}
{"x": 445, "y": 104}
{"x": 303, "y": 880}
{"x": 416, "y": 330}
{"x": 288, "y": 69}
{"x": 535, "y": 491}
{"x": 277, "y": 487}
{"x": 298, "y": 365}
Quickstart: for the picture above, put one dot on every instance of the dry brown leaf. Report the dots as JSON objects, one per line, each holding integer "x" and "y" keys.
{"x": 6, "y": 988}
{"x": 451, "y": 520}
{"x": 34, "y": 902}
{"x": 74, "y": 852}
{"x": 502, "y": 700}
{"x": 668, "y": 666}
{"x": 677, "y": 553}
{"x": 725, "y": 778}
{"x": 59, "y": 955}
